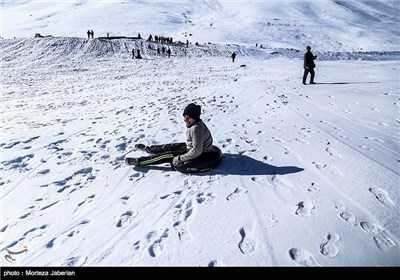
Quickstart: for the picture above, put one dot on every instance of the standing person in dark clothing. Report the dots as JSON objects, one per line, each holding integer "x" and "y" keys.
{"x": 309, "y": 65}
{"x": 193, "y": 154}
{"x": 233, "y": 56}
{"x": 169, "y": 52}
{"x": 138, "y": 55}
{"x": 133, "y": 53}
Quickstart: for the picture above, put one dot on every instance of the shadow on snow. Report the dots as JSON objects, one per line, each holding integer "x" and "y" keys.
{"x": 235, "y": 164}
{"x": 347, "y": 83}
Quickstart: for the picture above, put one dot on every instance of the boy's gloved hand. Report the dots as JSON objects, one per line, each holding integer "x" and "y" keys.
{"x": 175, "y": 160}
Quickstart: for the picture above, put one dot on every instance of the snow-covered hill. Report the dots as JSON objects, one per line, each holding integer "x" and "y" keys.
{"x": 309, "y": 176}
{"x": 331, "y": 25}
{"x": 53, "y": 49}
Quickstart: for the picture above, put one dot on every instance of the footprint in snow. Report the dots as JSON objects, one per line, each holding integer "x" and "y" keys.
{"x": 340, "y": 205}
{"x": 236, "y": 194}
{"x": 319, "y": 165}
{"x": 302, "y": 257}
{"x": 33, "y": 233}
{"x": 87, "y": 200}
{"x": 349, "y": 217}
{"x": 171, "y": 195}
{"x": 205, "y": 198}
{"x": 287, "y": 151}
{"x": 157, "y": 247}
{"x": 66, "y": 235}
{"x": 379, "y": 235}
{"x": 278, "y": 140}
{"x": 381, "y": 195}
{"x": 247, "y": 244}
{"x": 333, "y": 152}
{"x": 124, "y": 199}
{"x": 136, "y": 176}
{"x": 313, "y": 188}
{"x": 183, "y": 233}
{"x": 268, "y": 158}
{"x": 75, "y": 261}
{"x": 126, "y": 218}
{"x": 304, "y": 208}
{"x": 329, "y": 249}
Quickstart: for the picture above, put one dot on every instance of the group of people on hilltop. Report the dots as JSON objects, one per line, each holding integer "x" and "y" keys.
{"x": 157, "y": 39}
{"x": 90, "y": 34}
{"x": 160, "y": 39}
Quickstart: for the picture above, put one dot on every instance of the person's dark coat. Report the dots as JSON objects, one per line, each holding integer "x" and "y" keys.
{"x": 309, "y": 60}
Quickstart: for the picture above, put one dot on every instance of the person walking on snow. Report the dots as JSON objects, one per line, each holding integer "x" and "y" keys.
{"x": 198, "y": 145}
{"x": 309, "y": 65}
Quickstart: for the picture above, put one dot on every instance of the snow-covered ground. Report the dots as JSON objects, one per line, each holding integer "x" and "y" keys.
{"x": 309, "y": 177}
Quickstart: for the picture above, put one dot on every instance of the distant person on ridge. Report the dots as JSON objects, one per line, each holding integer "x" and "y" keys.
{"x": 309, "y": 65}
{"x": 233, "y": 56}
{"x": 138, "y": 56}
{"x": 195, "y": 155}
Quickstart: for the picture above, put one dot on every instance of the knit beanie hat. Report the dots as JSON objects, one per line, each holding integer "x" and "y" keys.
{"x": 192, "y": 110}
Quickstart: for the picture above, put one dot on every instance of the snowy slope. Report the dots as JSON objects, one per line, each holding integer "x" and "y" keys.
{"x": 330, "y": 25}
{"x": 309, "y": 177}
